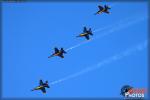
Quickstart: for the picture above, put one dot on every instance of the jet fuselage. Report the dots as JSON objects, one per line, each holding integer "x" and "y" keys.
{"x": 57, "y": 54}
{"x": 84, "y": 34}
{"x": 100, "y": 11}
{"x": 41, "y": 86}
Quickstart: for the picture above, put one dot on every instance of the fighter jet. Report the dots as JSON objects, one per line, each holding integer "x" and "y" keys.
{"x": 103, "y": 9}
{"x": 86, "y": 33}
{"x": 42, "y": 86}
{"x": 58, "y": 53}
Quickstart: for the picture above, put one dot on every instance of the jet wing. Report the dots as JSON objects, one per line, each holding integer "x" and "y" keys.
{"x": 87, "y": 37}
{"x": 41, "y": 82}
{"x": 84, "y": 30}
{"x": 43, "y": 90}
{"x": 107, "y": 7}
{"x": 100, "y": 7}
{"x": 56, "y": 50}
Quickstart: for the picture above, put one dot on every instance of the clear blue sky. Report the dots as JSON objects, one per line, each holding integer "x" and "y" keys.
{"x": 31, "y": 31}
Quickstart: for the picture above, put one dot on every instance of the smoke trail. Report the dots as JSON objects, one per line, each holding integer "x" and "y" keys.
{"x": 118, "y": 23}
{"x": 101, "y": 64}
{"x": 112, "y": 25}
{"x": 77, "y": 45}
{"x": 120, "y": 26}
{"x": 115, "y": 27}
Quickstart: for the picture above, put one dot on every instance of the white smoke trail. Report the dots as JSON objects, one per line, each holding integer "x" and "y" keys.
{"x": 117, "y": 24}
{"x": 112, "y": 28}
{"x": 121, "y": 25}
{"x": 112, "y": 25}
{"x": 101, "y": 64}
{"x": 77, "y": 45}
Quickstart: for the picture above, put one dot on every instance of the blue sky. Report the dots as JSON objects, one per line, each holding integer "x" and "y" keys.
{"x": 31, "y": 31}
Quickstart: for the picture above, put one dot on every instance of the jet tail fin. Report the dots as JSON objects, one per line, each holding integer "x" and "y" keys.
{"x": 63, "y": 50}
{"x": 107, "y": 7}
{"x": 90, "y": 32}
{"x": 46, "y": 82}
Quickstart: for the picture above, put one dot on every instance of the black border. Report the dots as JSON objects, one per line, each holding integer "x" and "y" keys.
{"x": 74, "y": 0}
{"x": 0, "y": 50}
{"x": 38, "y": 1}
{"x": 148, "y": 38}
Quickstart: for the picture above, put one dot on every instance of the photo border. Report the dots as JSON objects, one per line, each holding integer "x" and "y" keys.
{"x": 38, "y": 1}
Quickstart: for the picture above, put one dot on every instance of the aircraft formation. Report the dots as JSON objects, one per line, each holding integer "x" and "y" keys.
{"x": 60, "y": 52}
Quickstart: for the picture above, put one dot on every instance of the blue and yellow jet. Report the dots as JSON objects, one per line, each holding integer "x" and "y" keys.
{"x": 42, "y": 86}
{"x": 58, "y": 53}
{"x": 103, "y": 9}
{"x": 86, "y": 33}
